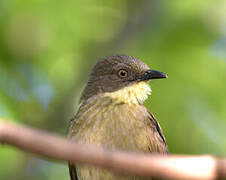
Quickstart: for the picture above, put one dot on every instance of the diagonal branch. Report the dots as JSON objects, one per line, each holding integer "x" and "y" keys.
{"x": 60, "y": 149}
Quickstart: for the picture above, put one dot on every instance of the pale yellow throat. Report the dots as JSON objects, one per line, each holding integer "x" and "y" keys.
{"x": 134, "y": 94}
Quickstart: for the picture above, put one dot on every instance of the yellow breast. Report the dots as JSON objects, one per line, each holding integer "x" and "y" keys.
{"x": 114, "y": 121}
{"x": 134, "y": 94}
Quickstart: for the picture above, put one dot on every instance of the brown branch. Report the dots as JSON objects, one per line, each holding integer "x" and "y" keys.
{"x": 57, "y": 148}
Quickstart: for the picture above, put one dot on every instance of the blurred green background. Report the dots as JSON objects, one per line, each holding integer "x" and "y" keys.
{"x": 48, "y": 47}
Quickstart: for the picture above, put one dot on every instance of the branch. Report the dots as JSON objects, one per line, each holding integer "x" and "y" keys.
{"x": 60, "y": 149}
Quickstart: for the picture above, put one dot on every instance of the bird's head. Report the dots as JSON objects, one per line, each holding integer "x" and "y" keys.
{"x": 123, "y": 78}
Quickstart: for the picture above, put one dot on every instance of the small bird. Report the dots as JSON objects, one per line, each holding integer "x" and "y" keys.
{"x": 111, "y": 114}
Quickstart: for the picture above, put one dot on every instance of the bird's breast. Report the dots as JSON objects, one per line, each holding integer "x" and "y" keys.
{"x": 105, "y": 123}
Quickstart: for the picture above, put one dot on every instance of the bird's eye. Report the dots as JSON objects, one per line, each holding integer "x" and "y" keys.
{"x": 122, "y": 73}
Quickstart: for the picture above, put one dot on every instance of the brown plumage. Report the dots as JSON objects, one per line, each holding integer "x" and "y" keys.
{"x": 112, "y": 116}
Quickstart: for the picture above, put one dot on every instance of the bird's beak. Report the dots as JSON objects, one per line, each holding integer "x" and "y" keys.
{"x": 152, "y": 74}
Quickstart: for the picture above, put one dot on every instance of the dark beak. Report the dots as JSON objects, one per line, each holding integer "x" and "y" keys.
{"x": 152, "y": 74}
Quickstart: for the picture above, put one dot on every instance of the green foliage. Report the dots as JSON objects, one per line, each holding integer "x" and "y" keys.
{"x": 47, "y": 49}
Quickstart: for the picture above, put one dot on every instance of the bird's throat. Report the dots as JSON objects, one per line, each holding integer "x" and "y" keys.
{"x": 134, "y": 94}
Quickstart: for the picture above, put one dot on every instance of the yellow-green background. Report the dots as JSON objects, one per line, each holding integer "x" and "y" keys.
{"x": 47, "y": 49}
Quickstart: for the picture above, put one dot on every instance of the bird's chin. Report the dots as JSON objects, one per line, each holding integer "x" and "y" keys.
{"x": 144, "y": 81}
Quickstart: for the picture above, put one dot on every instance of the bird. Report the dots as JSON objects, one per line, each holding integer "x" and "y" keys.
{"x": 111, "y": 114}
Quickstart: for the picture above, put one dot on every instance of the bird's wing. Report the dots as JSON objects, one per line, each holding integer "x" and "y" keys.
{"x": 72, "y": 171}
{"x": 71, "y": 166}
{"x": 155, "y": 136}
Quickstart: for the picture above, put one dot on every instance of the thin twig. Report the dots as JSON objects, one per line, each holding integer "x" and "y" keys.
{"x": 60, "y": 149}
